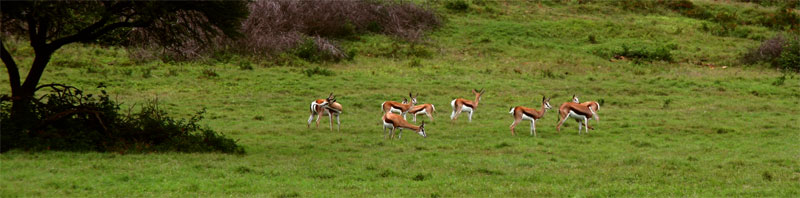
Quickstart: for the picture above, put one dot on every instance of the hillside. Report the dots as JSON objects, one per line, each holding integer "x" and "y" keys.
{"x": 686, "y": 119}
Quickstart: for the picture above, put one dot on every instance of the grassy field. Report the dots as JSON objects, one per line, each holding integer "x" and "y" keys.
{"x": 667, "y": 129}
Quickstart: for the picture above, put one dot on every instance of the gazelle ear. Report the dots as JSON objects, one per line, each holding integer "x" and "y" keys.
{"x": 416, "y": 95}
{"x": 422, "y": 125}
{"x": 482, "y": 91}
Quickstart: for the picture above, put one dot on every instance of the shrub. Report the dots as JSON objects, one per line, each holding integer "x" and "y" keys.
{"x": 790, "y": 57}
{"x": 457, "y": 5}
{"x": 778, "y": 51}
{"x": 646, "y": 52}
{"x": 318, "y": 71}
{"x": 69, "y": 120}
{"x": 278, "y": 26}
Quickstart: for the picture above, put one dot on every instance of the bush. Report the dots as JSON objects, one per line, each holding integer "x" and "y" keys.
{"x": 778, "y": 51}
{"x": 318, "y": 71}
{"x": 69, "y": 120}
{"x": 790, "y": 57}
{"x": 457, "y": 5}
{"x": 769, "y": 51}
{"x": 638, "y": 52}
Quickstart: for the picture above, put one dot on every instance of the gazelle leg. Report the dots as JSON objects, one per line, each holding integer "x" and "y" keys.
{"x": 319, "y": 114}
{"x": 470, "y": 116}
{"x": 415, "y": 118}
{"x": 310, "y": 118}
{"x": 429, "y": 116}
{"x": 330, "y": 120}
{"x": 533, "y": 128}
{"x": 391, "y": 133}
{"x": 400, "y": 134}
{"x": 514, "y": 125}
{"x": 560, "y": 122}
{"x": 384, "y": 132}
{"x": 580, "y": 125}
{"x": 338, "y": 123}
{"x": 586, "y": 124}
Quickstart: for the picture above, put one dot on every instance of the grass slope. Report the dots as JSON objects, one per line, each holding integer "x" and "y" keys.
{"x": 667, "y": 129}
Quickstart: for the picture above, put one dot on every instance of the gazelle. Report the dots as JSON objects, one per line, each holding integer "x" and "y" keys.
{"x": 461, "y": 104}
{"x": 579, "y": 112}
{"x": 327, "y": 106}
{"x": 397, "y": 107}
{"x": 593, "y": 106}
{"x": 523, "y": 113}
{"x": 395, "y": 122}
{"x": 426, "y": 109}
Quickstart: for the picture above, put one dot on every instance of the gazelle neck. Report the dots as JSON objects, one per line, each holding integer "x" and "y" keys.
{"x": 544, "y": 108}
{"x": 408, "y": 126}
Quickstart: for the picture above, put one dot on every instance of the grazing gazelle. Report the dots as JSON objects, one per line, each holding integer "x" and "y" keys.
{"x": 395, "y": 122}
{"x": 397, "y": 107}
{"x": 579, "y": 112}
{"x": 461, "y": 104}
{"x": 426, "y": 109}
{"x": 523, "y": 113}
{"x": 327, "y": 106}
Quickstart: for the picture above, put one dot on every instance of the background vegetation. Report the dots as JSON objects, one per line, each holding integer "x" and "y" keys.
{"x": 683, "y": 113}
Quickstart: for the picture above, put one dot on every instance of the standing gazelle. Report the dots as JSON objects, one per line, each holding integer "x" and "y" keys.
{"x": 426, "y": 109}
{"x": 461, "y": 104}
{"x": 593, "y": 106}
{"x": 579, "y": 112}
{"x": 395, "y": 122}
{"x": 523, "y": 113}
{"x": 397, "y": 107}
{"x": 327, "y": 106}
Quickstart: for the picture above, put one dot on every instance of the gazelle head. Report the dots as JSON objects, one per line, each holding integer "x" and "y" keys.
{"x": 546, "y": 103}
{"x": 422, "y": 130}
{"x": 331, "y": 99}
{"x": 413, "y": 98}
{"x": 575, "y": 99}
{"x": 478, "y": 94}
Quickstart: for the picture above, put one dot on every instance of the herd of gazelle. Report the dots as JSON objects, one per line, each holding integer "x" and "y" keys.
{"x": 581, "y": 112}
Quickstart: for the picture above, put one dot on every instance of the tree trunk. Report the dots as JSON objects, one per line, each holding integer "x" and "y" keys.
{"x": 23, "y": 95}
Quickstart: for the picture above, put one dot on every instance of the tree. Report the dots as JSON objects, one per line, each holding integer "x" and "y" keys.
{"x": 49, "y": 25}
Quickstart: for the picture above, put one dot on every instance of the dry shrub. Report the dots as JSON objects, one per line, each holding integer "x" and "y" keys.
{"x": 277, "y": 26}
{"x": 768, "y": 51}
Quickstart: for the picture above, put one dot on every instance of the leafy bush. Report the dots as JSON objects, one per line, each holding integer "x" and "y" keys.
{"x": 790, "y": 57}
{"x": 457, "y": 5}
{"x": 318, "y": 71}
{"x": 638, "y": 51}
{"x": 69, "y": 120}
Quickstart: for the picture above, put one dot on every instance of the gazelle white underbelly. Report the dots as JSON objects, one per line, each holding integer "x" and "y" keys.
{"x": 388, "y": 125}
{"x": 466, "y": 108}
{"x": 576, "y": 116}
{"x": 421, "y": 112}
{"x": 395, "y": 110}
{"x": 526, "y": 117}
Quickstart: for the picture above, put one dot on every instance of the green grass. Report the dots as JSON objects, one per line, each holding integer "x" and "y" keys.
{"x": 667, "y": 128}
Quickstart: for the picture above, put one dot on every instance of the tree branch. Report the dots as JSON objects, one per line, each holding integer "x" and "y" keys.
{"x": 11, "y": 65}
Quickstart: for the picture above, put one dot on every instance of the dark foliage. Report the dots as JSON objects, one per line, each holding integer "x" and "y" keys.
{"x": 778, "y": 51}
{"x": 768, "y": 51}
{"x": 661, "y": 53}
{"x": 457, "y": 5}
{"x": 66, "y": 119}
{"x": 281, "y": 26}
